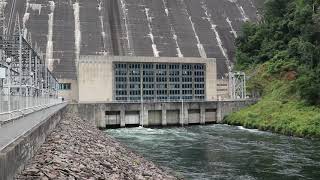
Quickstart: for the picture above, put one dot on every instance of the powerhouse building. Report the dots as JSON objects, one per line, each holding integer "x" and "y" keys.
{"x": 125, "y": 79}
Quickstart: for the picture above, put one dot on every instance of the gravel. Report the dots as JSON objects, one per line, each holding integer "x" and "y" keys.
{"x": 76, "y": 149}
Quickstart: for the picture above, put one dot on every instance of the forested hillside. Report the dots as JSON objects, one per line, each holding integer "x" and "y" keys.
{"x": 281, "y": 55}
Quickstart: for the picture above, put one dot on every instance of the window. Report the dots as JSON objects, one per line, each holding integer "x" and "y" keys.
{"x": 186, "y": 66}
{"x": 121, "y": 66}
{"x": 199, "y": 73}
{"x": 174, "y": 73}
{"x": 121, "y": 92}
{"x": 161, "y": 86}
{"x": 65, "y": 86}
{"x": 199, "y": 86}
{"x": 121, "y": 79}
{"x": 134, "y": 86}
{"x": 160, "y": 81}
{"x": 186, "y": 86}
{"x": 147, "y": 79}
{"x": 148, "y": 86}
{"x": 121, "y": 86}
{"x": 134, "y": 92}
{"x": 198, "y": 66}
{"x": 147, "y": 66}
{"x": 199, "y": 79}
{"x": 148, "y": 73}
{"x": 161, "y": 66}
{"x": 134, "y": 72}
{"x": 188, "y": 79}
{"x": 174, "y": 66}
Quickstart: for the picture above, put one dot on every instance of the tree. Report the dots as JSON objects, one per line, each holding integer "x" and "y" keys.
{"x": 288, "y": 34}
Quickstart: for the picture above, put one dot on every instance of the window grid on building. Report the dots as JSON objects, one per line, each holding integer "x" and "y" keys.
{"x": 158, "y": 81}
{"x": 65, "y": 86}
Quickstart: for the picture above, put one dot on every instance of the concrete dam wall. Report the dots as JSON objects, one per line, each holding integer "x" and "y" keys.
{"x": 65, "y": 29}
{"x": 105, "y": 115}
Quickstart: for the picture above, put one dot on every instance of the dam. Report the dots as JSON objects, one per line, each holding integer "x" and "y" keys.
{"x": 65, "y": 29}
{"x": 73, "y": 66}
{"x": 116, "y": 91}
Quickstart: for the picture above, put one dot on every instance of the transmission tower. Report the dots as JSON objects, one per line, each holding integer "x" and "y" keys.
{"x": 237, "y": 85}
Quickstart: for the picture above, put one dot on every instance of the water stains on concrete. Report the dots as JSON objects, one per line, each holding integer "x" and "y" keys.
{"x": 166, "y": 28}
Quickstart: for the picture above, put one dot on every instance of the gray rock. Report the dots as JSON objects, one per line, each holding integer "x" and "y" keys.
{"x": 78, "y": 150}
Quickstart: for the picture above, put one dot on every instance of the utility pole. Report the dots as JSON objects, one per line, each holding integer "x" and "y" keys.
{"x": 182, "y": 111}
{"x": 141, "y": 96}
{"x": 8, "y": 61}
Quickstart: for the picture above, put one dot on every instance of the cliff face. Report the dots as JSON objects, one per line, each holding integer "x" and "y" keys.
{"x": 65, "y": 29}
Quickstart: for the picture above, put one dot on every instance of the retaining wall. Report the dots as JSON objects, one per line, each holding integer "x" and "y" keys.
{"x": 104, "y": 115}
{"x": 15, "y": 156}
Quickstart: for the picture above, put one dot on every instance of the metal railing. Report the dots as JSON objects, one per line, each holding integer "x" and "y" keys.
{"x": 177, "y": 100}
{"x": 159, "y": 101}
{"x": 13, "y": 107}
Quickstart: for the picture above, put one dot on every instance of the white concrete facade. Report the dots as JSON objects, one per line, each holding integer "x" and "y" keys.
{"x": 95, "y": 76}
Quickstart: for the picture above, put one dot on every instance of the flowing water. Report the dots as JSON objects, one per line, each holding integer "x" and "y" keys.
{"x": 225, "y": 152}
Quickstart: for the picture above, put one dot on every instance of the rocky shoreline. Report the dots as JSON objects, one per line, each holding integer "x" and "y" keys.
{"x": 78, "y": 150}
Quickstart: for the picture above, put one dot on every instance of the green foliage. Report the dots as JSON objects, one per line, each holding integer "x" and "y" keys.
{"x": 309, "y": 86}
{"x": 278, "y": 111}
{"x": 281, "y": 63}
{"x": 281, "y": 55}
{"x": 286, "y": 118}
{"x": 288, "y": 39}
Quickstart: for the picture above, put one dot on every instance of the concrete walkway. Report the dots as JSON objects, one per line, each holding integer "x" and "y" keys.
{"x": 11, "y": 131}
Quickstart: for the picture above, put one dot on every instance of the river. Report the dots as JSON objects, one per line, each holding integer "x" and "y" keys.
{"x": 224, "y": 152}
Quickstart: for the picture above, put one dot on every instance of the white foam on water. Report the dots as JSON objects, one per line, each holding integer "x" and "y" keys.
{"x": 173, "y": 32}
{"x": 49, "y": 51}
{"x": 77, "y": 31}
{"x": 103, "y": 33}
{"x": 231, "y": 27}
{"x": 201, "y": 50}
{"x": 154, "y": 46}
{"x": 126, "y": 22}
{"x": 36, "y": 7}
{"x": 249, "y": 130}
{"x": 216, "y": 33}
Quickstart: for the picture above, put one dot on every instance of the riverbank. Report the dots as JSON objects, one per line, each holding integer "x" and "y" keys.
{"x": 78, "y": 150}
{"x": 290, "y": 118}
{"x": 280, "y": 109}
